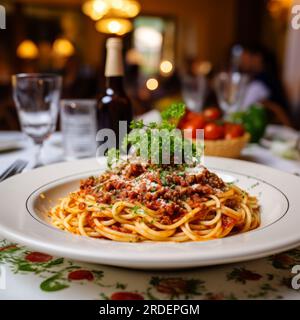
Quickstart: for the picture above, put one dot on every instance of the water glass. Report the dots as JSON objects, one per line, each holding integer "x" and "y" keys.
{"x": 37, "y": 99}
{"x": 230, "y": 89}
{"x": 78, "y": 124}
{"x": 193, "y": 91}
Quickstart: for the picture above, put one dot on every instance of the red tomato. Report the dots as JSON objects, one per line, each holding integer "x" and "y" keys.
{"x": 188, "y": 114}
{"x": 194, "y": 121}
{"x": 233, "y": 131}
{"x": 213, "y": 131}
{"x": 228, "y": 126}
{"x": 126, "y": 296}
{"x": 38, "y": 257}
{"x": 81, "y": 275}
{"x": 212, "y": 114}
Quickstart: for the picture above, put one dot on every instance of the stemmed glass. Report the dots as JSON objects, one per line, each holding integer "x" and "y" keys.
{"x": 37, "y": 100}
{"x": 193, "y": 91}
{"x": 230, "y": 89}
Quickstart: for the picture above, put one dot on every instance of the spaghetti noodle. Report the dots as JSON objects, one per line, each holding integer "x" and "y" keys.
{"x": 140, "y": 202}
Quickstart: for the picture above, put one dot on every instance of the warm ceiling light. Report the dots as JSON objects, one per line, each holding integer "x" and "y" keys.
{"x": 117, "y": 4}
{"x": 166, "y": 66}
{"x": 125, "y": 8}
{"x": 114, "y": 26}
{"x": 95, "y": 9}
{"x": 133, "y": 9}
{"x": 27, "y": 49}
{"x": 152, "y": 84}
{"x": 95, "y": 16}
{"x": 63, "y": 47}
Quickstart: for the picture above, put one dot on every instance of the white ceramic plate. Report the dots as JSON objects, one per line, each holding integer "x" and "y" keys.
{"x": 22, "y": 219}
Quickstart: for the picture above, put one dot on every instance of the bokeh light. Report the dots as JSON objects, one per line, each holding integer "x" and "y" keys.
{"x": 63, "y": 47}
{"x": 97, "y": 9}
{"x": 166, "y": 67}
{"x": 152, "y": 84}
{"x": 27, "y": 49}
{"x": 114, "y": 26}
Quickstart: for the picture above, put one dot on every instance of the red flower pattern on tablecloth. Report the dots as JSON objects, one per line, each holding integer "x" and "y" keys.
{"x": 38, "y": 257}
{"x": 81, "y": 275}
{"x": 126, "y": 296}
{"x": 243, "y": 275}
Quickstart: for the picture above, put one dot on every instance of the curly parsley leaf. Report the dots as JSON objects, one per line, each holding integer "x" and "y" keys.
{"x": 149, "y": 139}
{"x": 112, "y": 157}
{"x": 174, "y": 112}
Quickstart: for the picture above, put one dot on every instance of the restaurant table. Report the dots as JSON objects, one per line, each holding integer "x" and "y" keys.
{"x": 34, "y": 275}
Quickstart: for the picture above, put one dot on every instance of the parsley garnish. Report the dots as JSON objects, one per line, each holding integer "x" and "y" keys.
{"x": 150, "y": 139}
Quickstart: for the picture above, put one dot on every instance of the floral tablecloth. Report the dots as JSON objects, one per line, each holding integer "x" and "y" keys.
{"x": 35, "y": 275}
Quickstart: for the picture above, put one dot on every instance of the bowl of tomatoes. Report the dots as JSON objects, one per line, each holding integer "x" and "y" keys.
{"x": 222, "y": 138}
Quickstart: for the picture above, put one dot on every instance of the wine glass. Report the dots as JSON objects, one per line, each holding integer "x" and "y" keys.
{"x": 193, "y": 91}
{"x": 230, "y": 89}
{"x": 37, "y": 99}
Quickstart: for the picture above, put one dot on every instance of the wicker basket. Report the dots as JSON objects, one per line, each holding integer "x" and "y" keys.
{"x": 226, "y": 148}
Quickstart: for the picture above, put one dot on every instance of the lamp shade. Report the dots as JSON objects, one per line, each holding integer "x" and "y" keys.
{"x": 27, "y": 49}
{"x": 63, "y": 47}
{"x": 97, "y": 9}
{"x": 116, "y": 26}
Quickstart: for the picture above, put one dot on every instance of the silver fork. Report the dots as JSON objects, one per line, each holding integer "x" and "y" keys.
{"x": 16, "y": 167}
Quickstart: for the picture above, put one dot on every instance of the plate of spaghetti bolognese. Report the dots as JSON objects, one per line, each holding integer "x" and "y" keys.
{"x": 146, "y": 216}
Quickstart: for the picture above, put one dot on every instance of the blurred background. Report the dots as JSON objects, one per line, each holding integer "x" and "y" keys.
{"x": 164, "y": 40}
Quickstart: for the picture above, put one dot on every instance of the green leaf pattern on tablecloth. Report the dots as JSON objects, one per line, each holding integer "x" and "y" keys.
{"x": 268, "y": 278}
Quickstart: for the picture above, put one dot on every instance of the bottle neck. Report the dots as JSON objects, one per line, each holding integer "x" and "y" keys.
{"x": 114, "y": 62}
{"x": 115, "y": 83}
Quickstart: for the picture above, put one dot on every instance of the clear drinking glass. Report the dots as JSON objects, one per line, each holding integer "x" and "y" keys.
{"x": 79, "y": 127}
{"x": 230, "y": 89}
{"x": 37, "y": 99}
{"x": 193, "y": 91}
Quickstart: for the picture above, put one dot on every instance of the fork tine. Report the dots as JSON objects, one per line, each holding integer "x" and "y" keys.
{"x": 8, "y": 171}
{"x": 16, "y": 167}
{"x": 21, "y": 167}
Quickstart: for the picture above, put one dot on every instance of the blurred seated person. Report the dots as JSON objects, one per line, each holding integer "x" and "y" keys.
{"x": 265, "y": 84}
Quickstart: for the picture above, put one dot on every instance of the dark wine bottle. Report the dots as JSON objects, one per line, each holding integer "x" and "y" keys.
{"x": 114, "y": 105}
